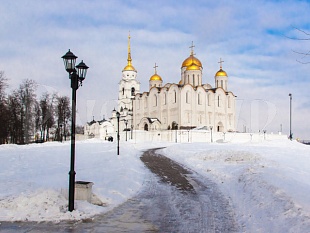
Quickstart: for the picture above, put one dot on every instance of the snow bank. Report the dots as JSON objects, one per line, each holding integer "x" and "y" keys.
{"x": 268, "y": 183}
{"x": 32, "y": 178}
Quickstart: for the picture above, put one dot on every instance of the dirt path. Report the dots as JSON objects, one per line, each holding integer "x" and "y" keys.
{"x": 173, "y": 199}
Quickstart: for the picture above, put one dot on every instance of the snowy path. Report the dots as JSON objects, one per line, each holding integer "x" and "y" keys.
{"x": 184, "y": 202}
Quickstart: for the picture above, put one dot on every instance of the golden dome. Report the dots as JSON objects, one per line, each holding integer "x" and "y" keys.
{"x": 129, "y": 67}
{"x": 193, "y": 67}
{"x": 156, "y": 77}
{"x": 191, "y": 60}
{"x": 221, "y": 73}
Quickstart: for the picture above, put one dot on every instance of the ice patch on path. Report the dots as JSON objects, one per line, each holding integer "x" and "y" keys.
{"x": 44, "y": 205}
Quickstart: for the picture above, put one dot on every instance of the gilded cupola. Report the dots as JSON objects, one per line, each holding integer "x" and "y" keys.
{"x": 191, "y": 60}
{"x": 221, "y": 72}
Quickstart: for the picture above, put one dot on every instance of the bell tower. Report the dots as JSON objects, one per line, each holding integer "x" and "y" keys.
{"x": 128, "y": 86}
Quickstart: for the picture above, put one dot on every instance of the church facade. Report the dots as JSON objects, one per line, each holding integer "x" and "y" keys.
{"x": 188, "y": 104}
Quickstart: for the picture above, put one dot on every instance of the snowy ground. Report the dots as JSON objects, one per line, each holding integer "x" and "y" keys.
{"x": 267, "y": 183}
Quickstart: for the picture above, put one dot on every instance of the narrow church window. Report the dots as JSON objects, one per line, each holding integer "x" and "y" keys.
{"x": 222, "y": 84}
{"x": 187, "y": 101}
{"x": 187, "y": 78}
{"x": 145, "y": 106}
{"x": 218, "y": 101}
{"x": 165, "y": 98}
{"x": 217, "y": 83}
{"x": 123, "y": 90}
{"x": 199, "y": 98}
{"x": 225, "y": 85}
{"x": 132, "y": 91}
{"x": 193, "y": 80}
{"x": 155, "y": 100}
{"x": 175, "y": 96}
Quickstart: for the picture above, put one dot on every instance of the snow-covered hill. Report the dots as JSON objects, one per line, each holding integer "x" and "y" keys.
{"x": 268, "y": 183}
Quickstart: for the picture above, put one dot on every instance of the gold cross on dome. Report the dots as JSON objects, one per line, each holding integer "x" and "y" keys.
{"x": 192, "y": 48}
{"x": 155, "y": 68}
{"x": 220, "y": 63}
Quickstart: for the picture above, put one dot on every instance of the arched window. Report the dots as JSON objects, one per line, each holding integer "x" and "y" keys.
{"x": 133, "y": 91}
{"x": 199, "y": 98}
{"x": 175, "y": 96}
{"x": 146, "y": 127}
{"x": 222, "y": 84}
{"x": 123, "y": 90}
{"x": 145, "y": 102}
{"x": 193, "y": 80}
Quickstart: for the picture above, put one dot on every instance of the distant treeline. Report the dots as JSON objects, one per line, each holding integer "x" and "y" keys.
{"x": 24, "y": 118}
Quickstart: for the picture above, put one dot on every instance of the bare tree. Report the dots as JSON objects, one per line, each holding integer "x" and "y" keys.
{"x": 27, "y": 99}
{"x": 15, "y": 125}
{"x": 4, "y": 132}
{"x": 63, "y": 112}
{"x": 305, "y": 37}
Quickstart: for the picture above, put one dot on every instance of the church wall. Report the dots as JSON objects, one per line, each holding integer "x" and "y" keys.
{"x": 173, "y": 105}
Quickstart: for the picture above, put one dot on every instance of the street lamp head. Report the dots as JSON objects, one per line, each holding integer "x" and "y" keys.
{"x": 211, "y": 127}
{"x": 118, "y": 115}
{"x": 69, "y": 61}
{"x": 82, "y": 70}
{"x": 290, "y": 94}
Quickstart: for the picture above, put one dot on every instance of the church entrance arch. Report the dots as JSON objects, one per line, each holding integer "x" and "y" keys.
{"x": 146, "y": 127}
{"x": 220, "y": 127}
{"x": 174, "y": 125}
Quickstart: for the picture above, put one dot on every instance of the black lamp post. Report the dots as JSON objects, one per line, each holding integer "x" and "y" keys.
{"x": 118, "y": 116}
{"x": 211, "y": 127}
{"x": 132, "y": 99}
{"x": 126, "y": 123}
{"x": 291, "y": 135}
{"x": 76, "y": 74}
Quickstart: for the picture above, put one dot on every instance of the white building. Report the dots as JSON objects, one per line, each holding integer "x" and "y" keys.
{"x": 188, "y": 104}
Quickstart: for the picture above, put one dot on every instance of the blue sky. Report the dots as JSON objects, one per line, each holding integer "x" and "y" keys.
{"x": 250, "y": 36}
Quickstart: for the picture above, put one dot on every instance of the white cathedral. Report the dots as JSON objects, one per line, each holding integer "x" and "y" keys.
{"x": 186, "y": 105}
